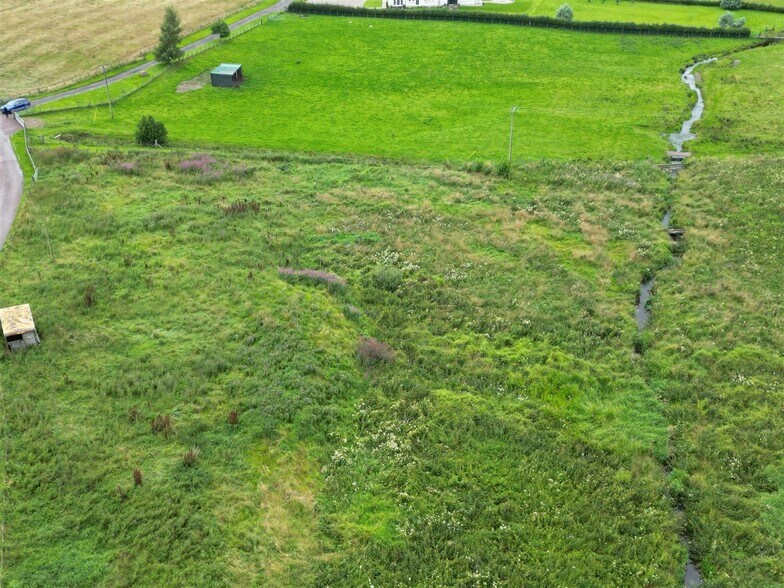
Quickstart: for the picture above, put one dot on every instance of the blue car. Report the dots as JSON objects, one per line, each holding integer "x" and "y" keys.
{"x": 15, "y": 105}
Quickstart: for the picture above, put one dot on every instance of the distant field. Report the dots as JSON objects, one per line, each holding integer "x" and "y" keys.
{"x": 51, "y": 41}
{"x": 342, "y": 85}
{"x": 639, "y": 12}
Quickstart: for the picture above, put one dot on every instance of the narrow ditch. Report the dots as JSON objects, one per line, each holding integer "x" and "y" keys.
{"x": 692, "y": 576}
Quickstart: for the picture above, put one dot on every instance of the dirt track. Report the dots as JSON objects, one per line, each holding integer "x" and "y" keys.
{"x": 10, "y": 177}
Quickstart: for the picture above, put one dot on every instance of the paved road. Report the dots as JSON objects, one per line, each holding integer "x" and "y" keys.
{"x": 10, "y": 177}
{"x": 278, "y": 7}
{"x": 11, "y": 173}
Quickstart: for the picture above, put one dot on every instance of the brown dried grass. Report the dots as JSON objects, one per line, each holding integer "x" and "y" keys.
{"x": 47, "y": 42}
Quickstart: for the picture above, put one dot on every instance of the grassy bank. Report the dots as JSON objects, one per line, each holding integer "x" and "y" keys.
{"x": 512, "y": 439}
{"x": 344, "y": 88}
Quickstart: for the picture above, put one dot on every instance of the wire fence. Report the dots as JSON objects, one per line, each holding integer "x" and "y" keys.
{"x": 76, "y": 104}
{"x": 21, "y": 122}
{"x": 97, "y": 73}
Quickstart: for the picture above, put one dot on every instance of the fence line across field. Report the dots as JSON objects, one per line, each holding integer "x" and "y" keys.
{"x": 21, "y": 122}
{"x": 192, "y": 53}
{"x": 128, "y": 62}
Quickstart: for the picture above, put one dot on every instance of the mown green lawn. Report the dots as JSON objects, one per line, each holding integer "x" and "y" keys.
{"x": 638, "y": 12}
{"x": 745, "y": 109}
{"x": 513, "y": 440}
{"x": 341, "y": 85}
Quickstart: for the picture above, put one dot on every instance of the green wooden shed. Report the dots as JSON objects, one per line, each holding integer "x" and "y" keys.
{"x": 227, "y": 75}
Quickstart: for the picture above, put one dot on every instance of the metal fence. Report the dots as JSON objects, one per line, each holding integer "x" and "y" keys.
{"x": 51, "y": 88}
{"x": 53, "y": 107}
{"x": 21, "y": 122}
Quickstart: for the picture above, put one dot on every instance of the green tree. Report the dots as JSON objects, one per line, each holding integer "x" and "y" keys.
{"x": 151, "y": 132}
{"x": 565, "y": 12}
{"x": 728, "y": 21}
{"x": 731, "y": 4}
{"x": 220, "y": 28}
{"x": 168, "y": 50}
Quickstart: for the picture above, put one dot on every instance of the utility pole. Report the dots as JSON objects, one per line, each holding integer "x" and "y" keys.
{"x": 108, "y": 97}
{"x": 511, "y": 132}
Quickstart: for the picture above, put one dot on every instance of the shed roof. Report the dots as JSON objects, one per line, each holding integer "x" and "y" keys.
{"x": 16, "y": 320}
{"x": 227, "y": 69}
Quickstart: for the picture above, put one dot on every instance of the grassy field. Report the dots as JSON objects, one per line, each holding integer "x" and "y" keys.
{"x": 718, "y": 366}
{"x": 513, "y": 438}
{"x": 46, "y": 41}
{"x": 639, "y": 12}
{"x": 745, "y": 112}
{"x": 343, "y": 88}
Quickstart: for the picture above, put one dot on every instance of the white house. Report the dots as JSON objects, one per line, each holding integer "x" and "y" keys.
{"x": 429, "y": 3}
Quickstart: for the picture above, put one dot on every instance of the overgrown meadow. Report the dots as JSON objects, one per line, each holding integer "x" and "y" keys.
{"x": 718, "y": 366}
{"x": 294, "y": 371}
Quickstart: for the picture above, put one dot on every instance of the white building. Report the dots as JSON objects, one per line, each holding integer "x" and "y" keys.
{"x": 429, "y": 3}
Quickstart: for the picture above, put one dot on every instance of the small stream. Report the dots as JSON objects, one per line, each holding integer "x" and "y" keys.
{"x": 692, "y": 577}
{"x": 678, "y": 139}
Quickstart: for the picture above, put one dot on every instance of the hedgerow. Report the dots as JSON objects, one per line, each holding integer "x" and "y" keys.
{"x": 717, "y": 3}
{"x": 520, "y": 20}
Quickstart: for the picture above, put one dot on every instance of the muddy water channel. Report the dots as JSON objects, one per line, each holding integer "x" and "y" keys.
{"x": 642, "y": 313}
{"x": 692, "y": 577}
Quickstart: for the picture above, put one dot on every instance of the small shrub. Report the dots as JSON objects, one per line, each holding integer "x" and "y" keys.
{"x": 642, "y": 342}
{"x": 200, "y": 162}
{"x": 312, "y": 275}
{"x": 126, "y": 167}
{"x": 388, "y": 278}
{"x": 220, "y": 28}
{"x": 731, "y": 4}
{"x": 565, "y": 12}
{"x": 122, "y": 493}
{"x": 202, "y": 165}
{"x": 60, "y": 155}
{"x": 371, "y": 351}
{"x": 480, "y": 167}
{"x": 503, "y": 170}
{"x": 162, "y": 424}
{"x": 728, "y": 21}
{"x": 137, "y": 477}
{"x": 242, "y": 171}
{"x": 351, "y": 312}
{"x": 678, "y": 482}
{"x": 151, "y": 132}
{"x": 233, "y": 417}
{"x": 133, "y": 414}
{"x": 191, "y": 457}
{"x": 89, "y": 296}
{"x": 240, "y": 207}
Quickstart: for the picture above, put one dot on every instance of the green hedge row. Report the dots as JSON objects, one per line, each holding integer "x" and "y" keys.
{"x": 517, "y": 19}
{"x": 717, "y": 4}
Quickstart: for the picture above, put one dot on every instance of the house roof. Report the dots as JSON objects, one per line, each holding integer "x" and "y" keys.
{"x": 16, "y": 320}
{"x": 227, "y": 69}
